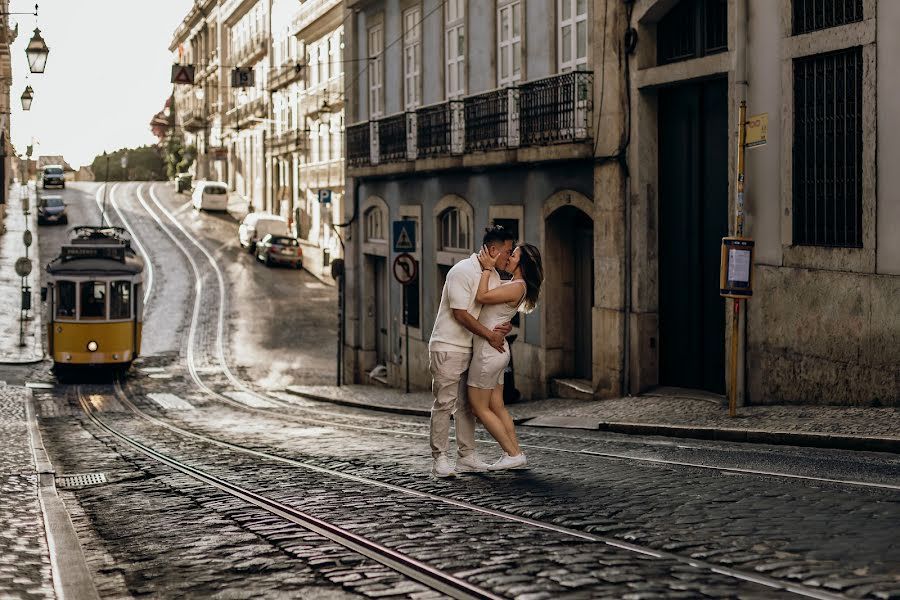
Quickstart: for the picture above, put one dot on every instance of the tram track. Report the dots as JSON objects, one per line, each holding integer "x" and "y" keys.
{"x": 282, "y": 404}
{"x": 419, "y": 571}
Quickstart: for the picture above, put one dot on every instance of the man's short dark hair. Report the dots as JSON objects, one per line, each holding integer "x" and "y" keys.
{"x": 497, "y": 234}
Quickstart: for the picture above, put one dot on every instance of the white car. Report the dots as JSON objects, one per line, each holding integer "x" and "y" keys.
{"x": 257, "y": 225}
{"x": 210, "y": 195}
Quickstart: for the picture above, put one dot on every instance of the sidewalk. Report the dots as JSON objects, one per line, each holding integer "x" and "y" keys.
{"x": 666, "y": 412}
{"x": 11, "y": 248}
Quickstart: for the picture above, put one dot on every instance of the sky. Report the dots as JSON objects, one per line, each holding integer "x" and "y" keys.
{"x": 107, "y": 74}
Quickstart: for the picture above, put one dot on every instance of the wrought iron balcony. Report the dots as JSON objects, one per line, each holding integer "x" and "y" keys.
{"x": 488, "y": 120}
{"x": 247, "y": 114}
{"x": 440, "y": 129}
{"x": 254, "y": 49}
{"x": 285, "y": 75}
{"x": 193, "y": 119}
{"x": 310, "y": 11}
{"x": 392, "y": 138}
{"x": 556, "y": 109}
{"x": 358, "y": 145}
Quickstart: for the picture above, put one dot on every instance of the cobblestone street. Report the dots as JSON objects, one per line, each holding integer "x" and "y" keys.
{"x": 201, "y": 475}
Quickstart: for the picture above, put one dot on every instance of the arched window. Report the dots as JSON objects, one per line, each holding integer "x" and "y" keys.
{"x": 375, "y": 225}
{"x": 456, "y": 231}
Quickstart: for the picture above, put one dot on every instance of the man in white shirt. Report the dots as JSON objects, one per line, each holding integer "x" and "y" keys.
{"x": 450, "y": 352}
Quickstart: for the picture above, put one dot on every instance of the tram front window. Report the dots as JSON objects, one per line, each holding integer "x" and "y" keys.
{"x": 93, "y": 299}
{"x": 120, "y": 300}
{"x": 65, "y": 299}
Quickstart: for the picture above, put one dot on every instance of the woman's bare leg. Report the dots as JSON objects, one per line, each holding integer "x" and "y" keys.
{"x": 499, "y": 409}
{"x": 480, "y": 400}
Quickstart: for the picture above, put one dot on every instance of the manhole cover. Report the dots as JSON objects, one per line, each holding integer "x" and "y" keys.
{"x": 86, "y": 479}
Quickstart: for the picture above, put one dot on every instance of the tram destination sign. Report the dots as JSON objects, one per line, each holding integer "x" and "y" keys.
{"x": 116, "y": 252}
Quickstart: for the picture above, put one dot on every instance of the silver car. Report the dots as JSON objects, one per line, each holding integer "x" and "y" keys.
{"x": 280, "y": 249}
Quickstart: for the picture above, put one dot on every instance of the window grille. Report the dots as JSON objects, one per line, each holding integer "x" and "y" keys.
{"x": 812, "y": 15}
{"x": 375, "y": 225}
{"x": 827, "y": 161}
{"x": 692, "y": 29}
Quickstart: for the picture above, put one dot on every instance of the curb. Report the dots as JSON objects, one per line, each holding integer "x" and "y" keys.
{"x": 71, "y": 576}
{"x": 748, "y": 436}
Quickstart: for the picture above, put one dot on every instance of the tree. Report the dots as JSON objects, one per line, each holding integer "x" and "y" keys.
{"x": 143, "y": 164}
{"x": 179, "y": 157}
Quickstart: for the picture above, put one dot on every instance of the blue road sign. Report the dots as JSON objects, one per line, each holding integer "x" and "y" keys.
{"x": 405, "y": 236}
{"x": 324, "y": 196}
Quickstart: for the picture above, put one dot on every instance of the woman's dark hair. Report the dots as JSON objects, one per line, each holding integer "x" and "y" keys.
{"x": 532, "y": 268}
{"x": 497, "y": 234}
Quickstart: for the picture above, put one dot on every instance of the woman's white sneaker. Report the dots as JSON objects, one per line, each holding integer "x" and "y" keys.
{"x": 509, "y": 462}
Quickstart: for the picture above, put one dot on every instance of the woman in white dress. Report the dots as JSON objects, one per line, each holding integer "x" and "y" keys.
{"x": 499, "y": 305}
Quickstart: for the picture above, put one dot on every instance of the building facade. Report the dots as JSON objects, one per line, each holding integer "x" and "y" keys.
{"x": 606, "y": 133}
{"x": 7, "y": 37}
{"x": 279, "y": 142}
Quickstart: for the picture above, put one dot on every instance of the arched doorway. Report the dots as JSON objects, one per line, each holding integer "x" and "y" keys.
{"x": 376, "y": 288}
{"x": 569, "y": 298}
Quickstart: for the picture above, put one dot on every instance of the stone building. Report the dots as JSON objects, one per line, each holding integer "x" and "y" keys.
{"x": 7, "y": 37}
{"x": 615, "y": 150}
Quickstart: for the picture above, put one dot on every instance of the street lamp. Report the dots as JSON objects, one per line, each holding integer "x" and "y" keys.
{"x": 27, "y": 97}
{"x": 37, "y": 52}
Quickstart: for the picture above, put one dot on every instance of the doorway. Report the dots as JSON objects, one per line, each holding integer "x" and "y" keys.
{"x": 693, "y": 218}
{"x": 377, "y": 309}
{"x": 569, "y": 289}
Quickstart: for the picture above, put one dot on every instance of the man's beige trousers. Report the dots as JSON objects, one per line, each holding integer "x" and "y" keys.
{"x": 448, "y": 385}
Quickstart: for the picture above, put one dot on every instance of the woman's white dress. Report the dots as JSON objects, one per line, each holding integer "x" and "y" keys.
{"x": 486, "y": 368}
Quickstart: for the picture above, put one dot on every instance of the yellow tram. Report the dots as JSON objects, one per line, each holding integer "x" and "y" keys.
{"x": 96, "y": 305}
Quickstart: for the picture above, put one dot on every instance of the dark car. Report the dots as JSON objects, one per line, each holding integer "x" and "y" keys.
{"x": 53, "y": 175}
{"x": 52, "y": 209}
{"x": 280, "y": 249}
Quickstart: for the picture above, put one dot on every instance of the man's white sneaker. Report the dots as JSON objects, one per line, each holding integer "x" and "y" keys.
{"x": 509, "y": 462}
{"x": 442, "y": 468}
{"x": 471, "y": 464}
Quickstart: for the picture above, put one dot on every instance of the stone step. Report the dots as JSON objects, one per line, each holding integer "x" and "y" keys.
{"x": 573, "y": 389}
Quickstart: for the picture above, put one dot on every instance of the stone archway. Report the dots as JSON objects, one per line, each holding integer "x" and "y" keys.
{"x": 568, "y": 246}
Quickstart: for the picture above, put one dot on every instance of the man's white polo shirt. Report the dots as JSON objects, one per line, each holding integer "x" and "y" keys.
{"x": 459, "y": 292}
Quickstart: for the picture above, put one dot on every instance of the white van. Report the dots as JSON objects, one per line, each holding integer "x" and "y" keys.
{"x": 210, "y": 195}
{"x": 256, "y": 225}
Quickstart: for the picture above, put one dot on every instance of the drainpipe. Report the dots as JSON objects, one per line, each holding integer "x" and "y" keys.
{"x": 741, "y": 34}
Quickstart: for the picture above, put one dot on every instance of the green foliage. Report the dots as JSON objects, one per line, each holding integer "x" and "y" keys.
{"x": 179, "y": 157}
{"x": 144, "y": 164}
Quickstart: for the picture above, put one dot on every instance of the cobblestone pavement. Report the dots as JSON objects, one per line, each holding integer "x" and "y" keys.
{"x": 663, "y": 408}
{"x": 152, "y": 532}
{"x": 24, "y": 556}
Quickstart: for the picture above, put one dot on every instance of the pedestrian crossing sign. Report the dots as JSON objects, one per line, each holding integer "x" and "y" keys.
{"x": 405, "y": 236}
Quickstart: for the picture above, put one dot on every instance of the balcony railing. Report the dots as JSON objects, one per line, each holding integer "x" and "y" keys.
{"x": 193, "y": 119}
{"x": 358, "y": 147}
{"x": 285, "y": 75}
{"x": 310, "y": 11}
{"x": 556, "y": 109}
{"x": 392, "y": 138}
{"x": 244, "y": 114}
{"x": 254, "y": 48}
{"x": 547, "y": 111}
{"x": 489, "y": 119}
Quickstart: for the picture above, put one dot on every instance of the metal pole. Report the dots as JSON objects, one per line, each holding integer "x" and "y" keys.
{"x": 105, "y": 190}
{"x": 340, "y": 344}
{"x": 406, "y": 342}
{"x": 739, "y": 232}
{"x": 21, "y": 312}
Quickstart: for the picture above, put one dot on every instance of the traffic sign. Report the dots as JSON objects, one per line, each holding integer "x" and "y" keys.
{"x": 23, "y": 267}
{"x": 183, "y": 74}
{"x": 27, "y": 238}
{"x": 243, "y": 77}
{"x": 756, "y": 130}
{"x": 405, "y": 269}
{"x": 325, "y": 196}
{"x": 405, "y": 236}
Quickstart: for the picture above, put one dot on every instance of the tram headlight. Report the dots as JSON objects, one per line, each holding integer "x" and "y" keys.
{"x": 92, "y": 346}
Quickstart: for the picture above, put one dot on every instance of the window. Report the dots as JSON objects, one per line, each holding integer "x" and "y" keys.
{"x": 572, "y": 35}
{"x": 412, "y": 48}
{"x": 455, "y": 20}
{"x": 376, "y": 71}
{"x": 693, "y": 28}
{"x": 65, "y": 299}
{"x": 509, "y": 43}
{"x": 93, "y": 299}
{"x": 375, "y": 225}
{"x": 812, "y": 15}
{"x": 827, "y": 161}
{"x": 120, "y": 300}
{"x": 456, "y": 231}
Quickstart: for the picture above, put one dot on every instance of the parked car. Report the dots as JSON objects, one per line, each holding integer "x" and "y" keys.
{"x": 183, "y": 182}
{"x": 210, "y": 195}
{"x": 53, "y": 175}
{"x": 52, "y": 209}
{"x": 280, "y": 249}
{"x": 256, "y": 225}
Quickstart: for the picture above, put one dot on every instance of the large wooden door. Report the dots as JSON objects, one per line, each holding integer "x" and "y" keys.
{"x": 583, "y": 239}
{"x": 693, "y": 218}
{"x": 381, "y": 310}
